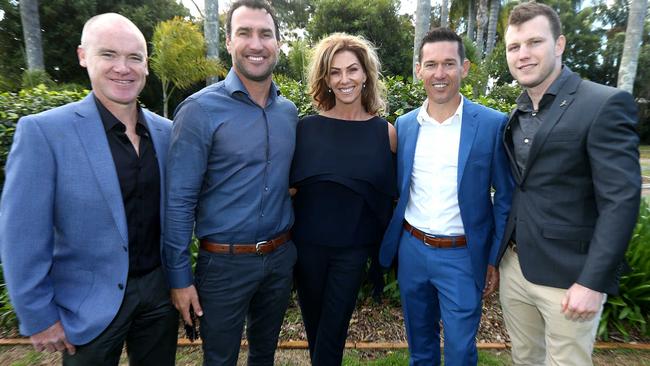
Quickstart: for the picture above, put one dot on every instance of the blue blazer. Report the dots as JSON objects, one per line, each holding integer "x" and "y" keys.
{"x": 63, "y": 232}
{"x": 482, "y": 165}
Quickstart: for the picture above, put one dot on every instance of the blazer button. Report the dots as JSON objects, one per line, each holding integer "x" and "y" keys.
{"x": 120, "y": 286}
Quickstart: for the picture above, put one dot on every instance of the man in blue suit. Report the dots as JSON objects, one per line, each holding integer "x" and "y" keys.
{"x": 446, "y": 229}
{"x": 81, "y": 213}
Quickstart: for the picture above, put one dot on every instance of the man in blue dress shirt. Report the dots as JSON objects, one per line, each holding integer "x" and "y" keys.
{"x": 229, "y": 159}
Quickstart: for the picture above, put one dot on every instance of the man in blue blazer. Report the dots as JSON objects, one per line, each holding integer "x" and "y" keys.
{"x": 446, "y": 229}
{"x": 81, "y": 213}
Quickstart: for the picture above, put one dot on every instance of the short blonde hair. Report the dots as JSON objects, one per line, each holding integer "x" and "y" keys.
{"x": 372, "y": 96}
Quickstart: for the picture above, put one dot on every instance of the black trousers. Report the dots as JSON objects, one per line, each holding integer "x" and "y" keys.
{"x": 328, "y": 281}
{"x": 147, "y": 321}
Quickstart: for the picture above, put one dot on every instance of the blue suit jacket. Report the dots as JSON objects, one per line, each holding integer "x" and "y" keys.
{"x": 63, "y": 232}
{"x": 482, "y": 165}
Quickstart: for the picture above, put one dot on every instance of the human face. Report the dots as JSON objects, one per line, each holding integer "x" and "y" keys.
{"x": 534, "y": 57}
{"x": 346, "y": 78}
{"x": 115, "y": 55}
{"x": 441, "y": 70}
{"x": 252, "y": 44}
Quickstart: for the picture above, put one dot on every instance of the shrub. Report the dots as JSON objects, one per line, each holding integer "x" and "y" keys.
{"x": 629, "y": 310}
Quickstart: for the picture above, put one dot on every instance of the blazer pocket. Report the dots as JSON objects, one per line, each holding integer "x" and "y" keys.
{"x": 580, "y": 235}
{"x": 563, "y": 136}
{"x": 71, "y": 286}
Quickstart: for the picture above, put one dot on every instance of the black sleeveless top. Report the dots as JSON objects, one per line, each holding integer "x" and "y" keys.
{"x": 345, "y": 175}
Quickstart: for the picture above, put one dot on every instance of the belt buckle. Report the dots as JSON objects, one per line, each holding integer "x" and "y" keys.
{"x": 258, "y": 245}
{"x": 427, "y": 236}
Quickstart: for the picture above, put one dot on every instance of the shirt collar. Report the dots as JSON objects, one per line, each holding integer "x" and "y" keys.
{"x": 424, "y": 118}
{"x": 234, "y": 85}
{"x": 110, "y": 121}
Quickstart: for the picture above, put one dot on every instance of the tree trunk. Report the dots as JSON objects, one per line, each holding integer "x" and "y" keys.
{"x": 495, "y": 6}
{"x": 444, "y": 13}
{"x": 422, "y": 23}
{"x": 471, "y": 19}
{"x": 481, "y": 20}
{"x": 32, "y": 34}
{"x": 212, "y": 33}
{"x": 633, "y": 39}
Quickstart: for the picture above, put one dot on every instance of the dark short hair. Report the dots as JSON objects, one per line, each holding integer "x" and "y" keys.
{"x": 442, "y": 35}
{"x": 524, "y": 12}
{"x": 253, "y": 4}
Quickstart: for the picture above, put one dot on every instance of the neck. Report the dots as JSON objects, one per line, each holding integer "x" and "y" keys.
{"x": 348, "y": 112}
{"x": 537, "y": 92}
{"x": 258, "y": 91}
{"x": 441, "y": 112}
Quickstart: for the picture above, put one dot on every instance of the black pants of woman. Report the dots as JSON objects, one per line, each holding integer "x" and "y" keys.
{"x": 328, "y": 281}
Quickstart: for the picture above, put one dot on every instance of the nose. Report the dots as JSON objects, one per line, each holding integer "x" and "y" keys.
{"x": 439, "y": 71}
{"x": 524, "y": 52}
{"x": 255, "y": 43}
{"x": 121, "y": 65}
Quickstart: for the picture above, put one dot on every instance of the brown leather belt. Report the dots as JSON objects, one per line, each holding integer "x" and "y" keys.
{"x": 452, "y": 242}
{"x": 260, "y": 248}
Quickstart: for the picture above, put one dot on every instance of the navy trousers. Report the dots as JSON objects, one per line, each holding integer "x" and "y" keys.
{"x": 234, "y": 288}
{"x": 147, "y": 321}
{"x": 328, "y": 281}
{"x": 438, "y": 284}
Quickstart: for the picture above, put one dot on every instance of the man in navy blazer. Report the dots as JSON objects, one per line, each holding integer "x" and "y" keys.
{"x": 446, "y": 229}
{"x": 81, "y": 213}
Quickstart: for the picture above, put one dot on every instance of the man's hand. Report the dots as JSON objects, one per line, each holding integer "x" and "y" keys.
{"x": 183, "y": 298}
{"x": 52, "y": 339}
{"x": 491, "y": 281}
{"x": 581, "y": 303}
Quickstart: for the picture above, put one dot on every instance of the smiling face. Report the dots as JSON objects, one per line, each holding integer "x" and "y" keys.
{"x": 252, "y": 44}
{"x": 534, "y": 56}
{"x": 114, "y": 53}
{"x": 346, "y": 78}
{"x": 441, "y": 70}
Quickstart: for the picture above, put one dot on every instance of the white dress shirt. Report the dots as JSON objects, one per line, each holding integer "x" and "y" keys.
{"x": 433, "y": 203}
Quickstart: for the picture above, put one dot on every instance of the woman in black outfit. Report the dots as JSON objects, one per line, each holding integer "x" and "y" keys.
{"x": 343, "y": 170}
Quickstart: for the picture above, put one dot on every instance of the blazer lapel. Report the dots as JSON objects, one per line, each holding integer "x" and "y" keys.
{"x": 161, "y": 145}
{"x": 468, "y": 130}
{"x": 93, "y": 139}
{"x": 560, "y": 104}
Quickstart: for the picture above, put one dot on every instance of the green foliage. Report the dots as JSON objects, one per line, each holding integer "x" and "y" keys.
{"x": 7, "y": 316}
{"x": 378, "y": 21}
{"x": 631, "y": 308}
{"x": 179, "y": 57}
{"x": 295, "y": 91}
{"x": 403, "y": 96}
{"x": 34, "y": 78}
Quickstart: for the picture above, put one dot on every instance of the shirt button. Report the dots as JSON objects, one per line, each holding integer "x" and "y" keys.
{"x": 262, "y": 215}
{"x": 120, "y": 286}
{"x": 266, "y": 188}
{"x": 268, "y": 161}
{"x": 526, "y": 140}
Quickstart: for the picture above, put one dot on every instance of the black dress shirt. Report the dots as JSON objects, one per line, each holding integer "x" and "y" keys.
{"x": 529, "y": 120}
{"x": 140, "y": 185}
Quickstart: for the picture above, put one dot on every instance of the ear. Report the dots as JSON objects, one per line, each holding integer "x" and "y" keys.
{"x": 560, "y": 43}
{"x": 81, "y": 54}
{"x": 228, "y": 41}
{"x": 466, "y": 66}
{"x": 418, "y": 67}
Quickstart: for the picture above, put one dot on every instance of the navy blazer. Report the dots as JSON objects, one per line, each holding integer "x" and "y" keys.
{"x": 63, "y": 231}
{"x": 482, "y": 165}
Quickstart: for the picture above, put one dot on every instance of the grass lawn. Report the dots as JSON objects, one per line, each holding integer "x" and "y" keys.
{"x": 645, "y": 151}
{"x": 191, "y": 356}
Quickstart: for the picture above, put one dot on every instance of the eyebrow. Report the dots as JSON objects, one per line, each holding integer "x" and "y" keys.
{"x": 347, "y": 67}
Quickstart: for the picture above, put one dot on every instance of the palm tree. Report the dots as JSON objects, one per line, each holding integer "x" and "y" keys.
{"x": 211, "y": 32}
{"x": 444, "y": 13}
{"x": 471, "y": 19}
{"x": 422, "y": 23}
{"x": 495, "y": 6}
{"x": 633, "y": 38}
{"x": 32, "y": 34}
{"x": 481, "y": 20}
